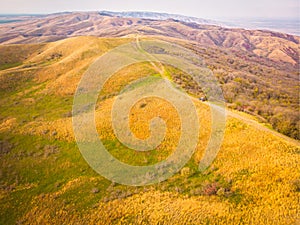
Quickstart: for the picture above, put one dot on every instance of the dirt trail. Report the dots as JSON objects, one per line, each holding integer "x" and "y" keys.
{"x": 252, "y": 122}
{"x": 261, "y": 127}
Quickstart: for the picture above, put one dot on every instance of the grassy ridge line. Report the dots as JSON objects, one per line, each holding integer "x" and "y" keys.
{"x": 269, "y": 94}
{"x": 254, "y": 123}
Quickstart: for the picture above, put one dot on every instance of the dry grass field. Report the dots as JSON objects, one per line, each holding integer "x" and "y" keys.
{"x": 255, "y": 178}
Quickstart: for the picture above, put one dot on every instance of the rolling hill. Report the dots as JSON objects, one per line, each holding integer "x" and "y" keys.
{"x": 258, "y": 70}
{"x": 255, "y": 178}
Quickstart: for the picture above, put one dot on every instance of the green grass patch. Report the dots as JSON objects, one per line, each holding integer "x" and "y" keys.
{"x": 10, "y": 65}
{"x": 28, "y": 164}
{"x": 132, "y": 157}
{"x": 30, "y": 106}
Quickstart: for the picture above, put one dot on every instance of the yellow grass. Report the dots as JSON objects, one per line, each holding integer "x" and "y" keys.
{"x": 262, "y": 167}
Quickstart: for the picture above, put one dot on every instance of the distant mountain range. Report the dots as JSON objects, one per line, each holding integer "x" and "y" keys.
{"x": 288, "y": 25}
{"x": 45, "y": 28}
{"x": 162, "y": 16}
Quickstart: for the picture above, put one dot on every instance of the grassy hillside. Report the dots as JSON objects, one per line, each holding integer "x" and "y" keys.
{"x": 255, "y": 178}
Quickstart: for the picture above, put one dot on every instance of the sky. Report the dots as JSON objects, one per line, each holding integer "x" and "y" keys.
{"x": 210, "y": 9}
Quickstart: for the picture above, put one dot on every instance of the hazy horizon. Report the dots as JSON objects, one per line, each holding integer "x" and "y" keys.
{"x": 214, "y": 9}
{"x": 283, "y": 24}
{"x": 127, "y": 11}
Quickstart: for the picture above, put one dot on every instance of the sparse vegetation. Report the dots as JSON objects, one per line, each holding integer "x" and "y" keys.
{"x": 264, "y": 88}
